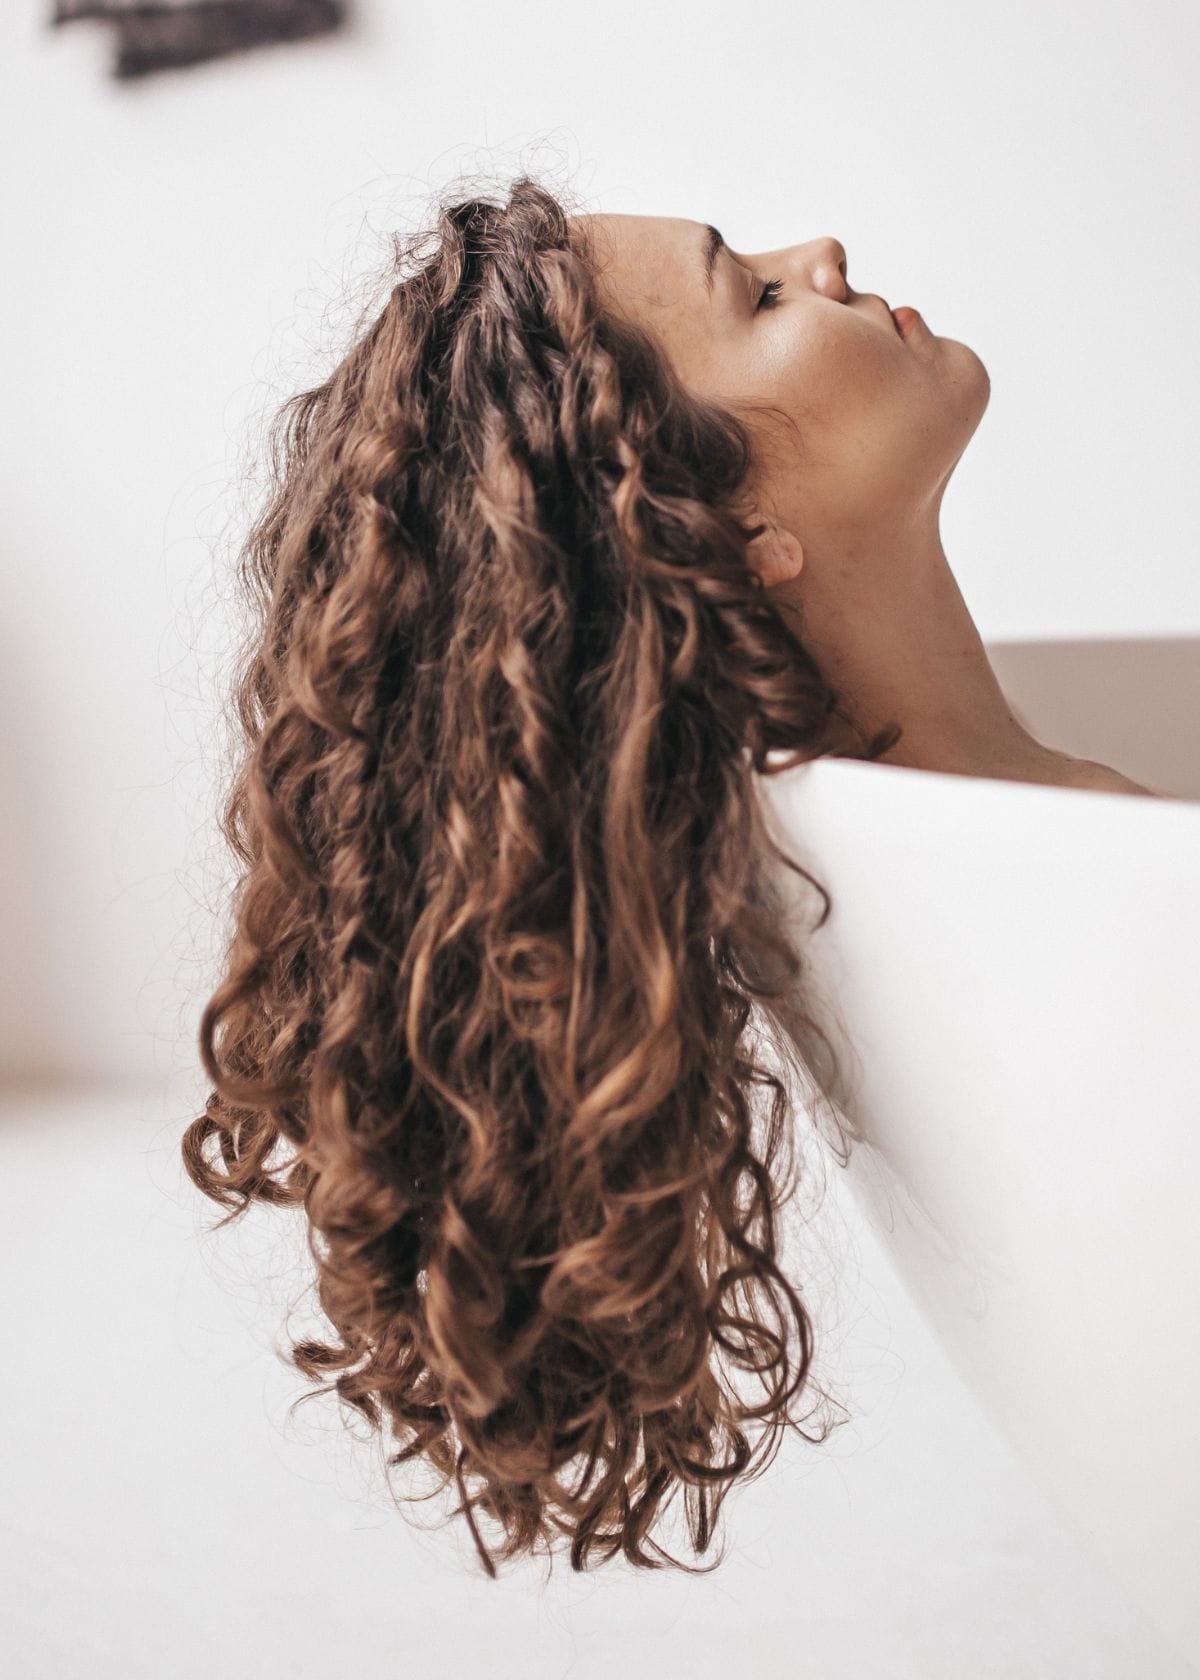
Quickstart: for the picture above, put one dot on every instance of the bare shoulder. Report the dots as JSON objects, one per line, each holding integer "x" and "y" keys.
{"x": 1085, "y": 773}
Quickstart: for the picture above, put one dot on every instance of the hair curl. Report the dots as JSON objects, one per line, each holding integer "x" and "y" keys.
{"x": 502, "y": 916}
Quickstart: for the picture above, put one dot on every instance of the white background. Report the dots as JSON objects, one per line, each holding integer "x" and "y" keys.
{"x": 179, "y": 255}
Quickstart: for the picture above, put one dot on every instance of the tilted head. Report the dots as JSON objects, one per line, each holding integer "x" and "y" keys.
{"x": 857, "y": 419}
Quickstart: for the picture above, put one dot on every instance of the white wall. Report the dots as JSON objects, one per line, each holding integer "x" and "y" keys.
{"x": 178, "y": 251}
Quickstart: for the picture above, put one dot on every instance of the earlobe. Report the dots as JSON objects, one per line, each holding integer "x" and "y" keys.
{"x": 776, "y": 554}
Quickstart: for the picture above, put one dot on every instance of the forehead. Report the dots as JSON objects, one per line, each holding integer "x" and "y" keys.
{"x": 651, "y": 261}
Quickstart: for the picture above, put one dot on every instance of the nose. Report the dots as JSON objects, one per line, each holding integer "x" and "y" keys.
{"x": 822, "y": 262}
{"x": 829, "y": 268}
{"x": 835, "y": 252}
{"x": 833, "y": 260}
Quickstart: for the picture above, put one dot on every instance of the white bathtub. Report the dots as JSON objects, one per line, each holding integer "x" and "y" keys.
{"x": 1012, "y": 976}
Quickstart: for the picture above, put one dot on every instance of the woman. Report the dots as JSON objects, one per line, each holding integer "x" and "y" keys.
{"x": 592, "y": 517}
{"x": 875, "y": 412}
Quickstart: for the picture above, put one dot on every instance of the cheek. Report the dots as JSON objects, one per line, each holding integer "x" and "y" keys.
{"x": 865, "y": 416}
{"x": 826, "y": 356}
{"x": 848, "y": 386}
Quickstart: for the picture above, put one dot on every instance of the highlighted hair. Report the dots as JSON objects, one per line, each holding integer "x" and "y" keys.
{"x": 502, "y": 916}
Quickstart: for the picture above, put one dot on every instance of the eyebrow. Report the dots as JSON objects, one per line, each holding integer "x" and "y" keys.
{"x": 713, "y": 241}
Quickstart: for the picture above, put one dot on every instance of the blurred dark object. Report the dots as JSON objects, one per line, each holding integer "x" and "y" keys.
{"x": 169, "y": 36}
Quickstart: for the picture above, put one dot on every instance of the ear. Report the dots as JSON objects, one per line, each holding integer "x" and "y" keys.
{"x": 776, "y": 554}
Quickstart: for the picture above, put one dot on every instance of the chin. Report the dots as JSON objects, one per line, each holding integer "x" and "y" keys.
{"x": 969, "y": 370}
{"x": 982, "y": 379}
{"x": 969, "y": 389}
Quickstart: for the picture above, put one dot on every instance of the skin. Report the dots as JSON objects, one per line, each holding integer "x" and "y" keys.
{"x": 856, "y": 431}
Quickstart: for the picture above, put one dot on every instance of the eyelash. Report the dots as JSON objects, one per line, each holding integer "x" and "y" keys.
{"x": 766, "y": 298}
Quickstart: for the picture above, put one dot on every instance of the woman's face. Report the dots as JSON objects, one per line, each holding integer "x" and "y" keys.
{"x": 879, "y": 419}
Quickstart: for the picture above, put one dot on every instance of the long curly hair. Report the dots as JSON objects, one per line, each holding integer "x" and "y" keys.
{"x": 502, "y": 927}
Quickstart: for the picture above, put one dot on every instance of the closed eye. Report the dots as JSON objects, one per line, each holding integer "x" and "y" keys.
{"x": 768, "y": 295}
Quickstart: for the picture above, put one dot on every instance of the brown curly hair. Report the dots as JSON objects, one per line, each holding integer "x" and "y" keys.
{"x": 502, "y": 917}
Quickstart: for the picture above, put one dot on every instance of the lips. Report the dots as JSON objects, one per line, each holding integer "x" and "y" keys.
{"x": 890, "y": 316}
{"x": 896, "y": 326}
{"x": 883, "y": 304}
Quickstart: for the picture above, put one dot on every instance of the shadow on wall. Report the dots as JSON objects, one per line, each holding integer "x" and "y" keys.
{"x": 173, "y": 34}
{"x": 1134, "y": 705}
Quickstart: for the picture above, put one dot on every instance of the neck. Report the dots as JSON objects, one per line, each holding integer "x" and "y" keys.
{"x": 891, "y": 631}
